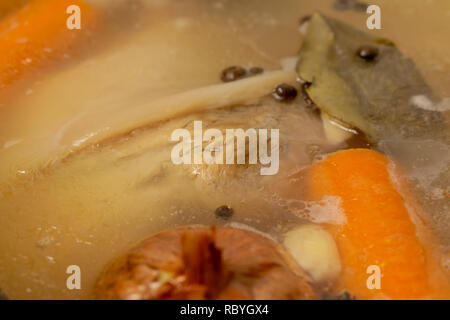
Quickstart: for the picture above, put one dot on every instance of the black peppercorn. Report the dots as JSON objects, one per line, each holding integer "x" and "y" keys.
{"x": 233, "y": 73}
{"x": 284, "y": 92}
{"x": 224, "y": 212}
{"x": 367, "y": 52}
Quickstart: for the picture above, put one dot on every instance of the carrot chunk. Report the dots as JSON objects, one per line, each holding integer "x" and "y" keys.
{"x": 378, "y": 230}
{"x": 7, "y": 7}
{"x": 36, "y": 34}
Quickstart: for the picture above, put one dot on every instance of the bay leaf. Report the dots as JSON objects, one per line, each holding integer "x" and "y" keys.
{"x": 373, "y": 96}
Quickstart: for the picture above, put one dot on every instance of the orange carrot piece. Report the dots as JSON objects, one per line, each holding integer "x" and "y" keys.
{"x": 37, "y": 34}
{"x": 6, "y": 6}
{"x": 378, "y": 229}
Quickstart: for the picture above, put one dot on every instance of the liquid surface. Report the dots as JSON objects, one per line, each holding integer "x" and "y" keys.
{"x": 65, "y": 200}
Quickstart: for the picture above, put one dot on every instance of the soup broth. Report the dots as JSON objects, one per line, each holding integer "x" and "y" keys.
{"x": 85, "y": 149}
